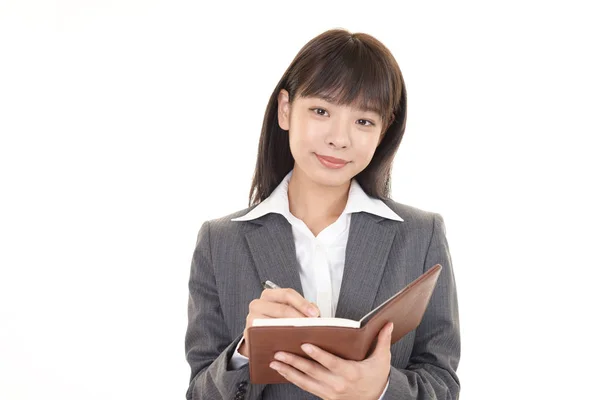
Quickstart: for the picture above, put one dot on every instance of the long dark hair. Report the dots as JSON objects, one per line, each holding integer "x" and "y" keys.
{"x": 343, "y": 67}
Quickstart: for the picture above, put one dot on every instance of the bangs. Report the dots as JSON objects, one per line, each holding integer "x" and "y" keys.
{"x": 352, "y": 75}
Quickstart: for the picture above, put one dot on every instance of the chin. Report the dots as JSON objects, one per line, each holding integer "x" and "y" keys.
{"x": 332, "y": 181}
{"x": 330, "y": 177}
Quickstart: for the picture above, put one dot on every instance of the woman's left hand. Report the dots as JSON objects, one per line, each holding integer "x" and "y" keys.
{"x": 332, "y": 377}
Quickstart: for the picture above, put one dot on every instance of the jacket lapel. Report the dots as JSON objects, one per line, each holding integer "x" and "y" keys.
{"x": 274, "y": 252}
{"x": 367, "y": 251}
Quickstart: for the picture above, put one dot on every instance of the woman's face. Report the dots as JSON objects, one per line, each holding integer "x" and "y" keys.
{"x": 320, "y": 128}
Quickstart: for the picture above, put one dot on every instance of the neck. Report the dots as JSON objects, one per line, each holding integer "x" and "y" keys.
{"x": 310, "y": 201}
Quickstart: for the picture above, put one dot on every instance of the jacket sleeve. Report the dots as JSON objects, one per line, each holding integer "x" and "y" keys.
{"x": 431, "y": 372}
{"x": 208, "y": 343}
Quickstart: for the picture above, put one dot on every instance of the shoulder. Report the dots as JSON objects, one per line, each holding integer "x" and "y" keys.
{"x": 227, "y": 219}
{"x": 410, "y": 213}
{"x": 224, "y": 225}
{"x": 415, "y": 217}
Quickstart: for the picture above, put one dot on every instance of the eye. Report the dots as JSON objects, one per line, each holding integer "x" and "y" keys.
{"x": 318, "y": 111}
{"x": 365, "y": 122}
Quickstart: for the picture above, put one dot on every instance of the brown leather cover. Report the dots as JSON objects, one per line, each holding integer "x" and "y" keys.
{"x": 405, "y": 309}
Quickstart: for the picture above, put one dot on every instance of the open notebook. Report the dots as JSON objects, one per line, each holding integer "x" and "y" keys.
{"x": 347, "y": 338}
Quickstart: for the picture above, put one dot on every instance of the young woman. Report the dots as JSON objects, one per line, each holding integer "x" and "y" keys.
{"x": 322, "y": 226}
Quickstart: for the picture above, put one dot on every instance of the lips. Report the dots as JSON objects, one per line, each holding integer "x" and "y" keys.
{"x": 333, "y": 160}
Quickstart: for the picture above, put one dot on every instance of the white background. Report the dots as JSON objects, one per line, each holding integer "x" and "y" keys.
{"x": 125, "y": 124}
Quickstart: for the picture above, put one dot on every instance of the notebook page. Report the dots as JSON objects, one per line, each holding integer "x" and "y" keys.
{"x": 343, "y": 322}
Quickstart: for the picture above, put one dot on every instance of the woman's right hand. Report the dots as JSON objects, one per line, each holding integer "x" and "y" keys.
{"x": 277, "y": 303}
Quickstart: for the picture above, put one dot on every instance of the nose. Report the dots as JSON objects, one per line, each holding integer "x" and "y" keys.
{"x": 337, "y": 136}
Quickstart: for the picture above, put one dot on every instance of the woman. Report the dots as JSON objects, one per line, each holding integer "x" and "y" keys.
{"x": 322, "y": 226}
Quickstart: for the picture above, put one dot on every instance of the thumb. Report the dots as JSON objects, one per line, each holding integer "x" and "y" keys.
{"x": 384, "y": 340}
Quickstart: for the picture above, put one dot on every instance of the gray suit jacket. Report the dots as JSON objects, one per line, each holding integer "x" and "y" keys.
{"x": 231, "y": 259}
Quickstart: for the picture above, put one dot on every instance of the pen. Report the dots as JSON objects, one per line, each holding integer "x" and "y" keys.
{"x": 269, "y": 285}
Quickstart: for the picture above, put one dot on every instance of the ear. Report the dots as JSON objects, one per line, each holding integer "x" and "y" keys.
{"x": 283, "y": 109}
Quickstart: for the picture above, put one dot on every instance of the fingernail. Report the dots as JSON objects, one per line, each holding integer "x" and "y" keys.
{"x": 274, "y": 366}
{"x": 391, "y": 329}
{"x": 313, "y": 311}
{"x": 307, "y": 348}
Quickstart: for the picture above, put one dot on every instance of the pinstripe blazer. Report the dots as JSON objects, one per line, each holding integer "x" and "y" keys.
{"x": 231, "y": 259}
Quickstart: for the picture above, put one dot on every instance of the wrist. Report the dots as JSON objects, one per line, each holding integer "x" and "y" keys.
{"x": 383, "y": 387}
{"x": 243, "y": 349}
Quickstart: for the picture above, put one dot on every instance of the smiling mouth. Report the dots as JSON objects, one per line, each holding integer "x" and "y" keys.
{"x": 331, "y": 162}
{"x": 333, "y": 159}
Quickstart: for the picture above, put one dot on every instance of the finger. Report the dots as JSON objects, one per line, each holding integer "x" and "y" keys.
{"x": 384, "y": 341}
{"x": 262, "y": 308}
{"x": 292, "y": 298}
{"x": 331, "y": 362}
{"x": 299, "y": 378}
{"x": 307, "y": 366}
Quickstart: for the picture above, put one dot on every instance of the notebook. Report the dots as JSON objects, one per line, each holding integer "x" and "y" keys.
{"x": 349, "y": 339}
